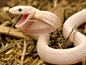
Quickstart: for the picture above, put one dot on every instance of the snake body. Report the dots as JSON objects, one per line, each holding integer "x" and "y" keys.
{"x": 38, "y": 24}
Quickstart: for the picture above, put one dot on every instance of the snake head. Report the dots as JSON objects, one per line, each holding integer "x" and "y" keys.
{"x": 27, "y": 12}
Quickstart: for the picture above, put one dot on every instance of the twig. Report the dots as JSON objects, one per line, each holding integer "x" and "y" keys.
{"x": 71, "y": 32}
{"x": 35, "y": 61}
{"x": 23, "y": 54}
{"x": 54, "y": 6}
{"x": 42, "y": 4}
{"x": 67, "y": 40}
{"x": 6, "y": 15}
{"x": 6, "y": 48}
{"x": 40, "y": 62}
{"x": 15, "y": 20}
{"x": 12, "y": 32}
{"x": 2, "y": 44}
{"x": 83, "y": 61}
{"x": 5, "y": 23}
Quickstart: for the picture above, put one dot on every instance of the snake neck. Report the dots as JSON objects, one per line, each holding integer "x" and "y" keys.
{"x": 36, "y": 36}
{"x": 33, "y": 36}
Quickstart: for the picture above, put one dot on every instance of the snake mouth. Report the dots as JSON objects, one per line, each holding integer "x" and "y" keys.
{"x": 23, "y": 20}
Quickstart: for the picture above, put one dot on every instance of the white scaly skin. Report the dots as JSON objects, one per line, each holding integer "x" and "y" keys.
{"x": 44, "y": 22}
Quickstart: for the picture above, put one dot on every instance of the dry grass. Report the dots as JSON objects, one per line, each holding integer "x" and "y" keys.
{"x": 15, "y": 48}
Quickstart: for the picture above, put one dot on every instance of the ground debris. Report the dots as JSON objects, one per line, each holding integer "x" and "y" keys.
{"x": 12, "y": 40}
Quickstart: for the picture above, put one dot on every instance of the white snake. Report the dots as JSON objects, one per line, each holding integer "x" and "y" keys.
{"x": 38, "y": 24}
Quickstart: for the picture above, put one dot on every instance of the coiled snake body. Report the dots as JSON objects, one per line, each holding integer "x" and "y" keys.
{"x": 38, "y": 24}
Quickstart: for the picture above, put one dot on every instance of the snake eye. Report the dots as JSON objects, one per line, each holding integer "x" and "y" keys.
{"x": 19, "y": 9}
